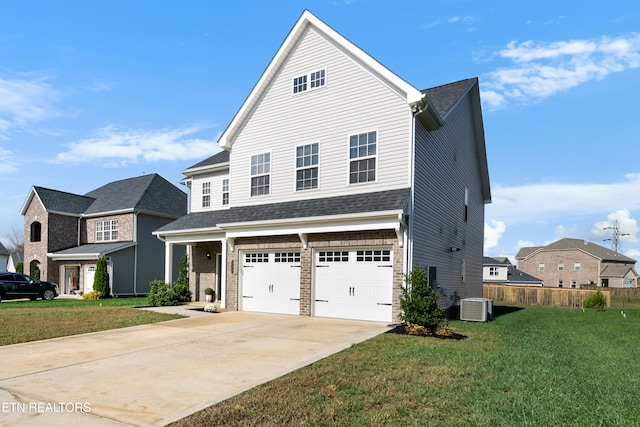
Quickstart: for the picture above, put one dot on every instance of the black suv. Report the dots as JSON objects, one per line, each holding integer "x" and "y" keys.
{"x": 18, "y": 285}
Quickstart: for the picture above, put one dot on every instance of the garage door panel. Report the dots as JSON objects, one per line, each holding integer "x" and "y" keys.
{"x": 354, "y": 284}
{"x": 271, "y": 282}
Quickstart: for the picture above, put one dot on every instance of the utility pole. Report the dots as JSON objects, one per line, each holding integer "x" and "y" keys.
{"x": 615, "y": 245}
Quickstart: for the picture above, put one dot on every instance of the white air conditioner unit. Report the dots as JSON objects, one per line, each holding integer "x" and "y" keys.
{"x": 476, "y": 309}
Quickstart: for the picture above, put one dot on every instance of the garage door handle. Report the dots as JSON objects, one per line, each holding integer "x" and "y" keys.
{"x": 294, "y": 299}
{"x": 295, "y": 266}
{"x": 385, "y": 266}
{"x": 322, "y": 300}
{"x": 246, "y": 296}
{"x": 318, "y": 266}
{"x": 248, "y": 266}
{"x": 384, "y": 303}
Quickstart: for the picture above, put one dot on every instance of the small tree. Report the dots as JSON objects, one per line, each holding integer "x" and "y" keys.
{"x": 419, "y": 302}
{"x": 20, "y": 267}
{"x": 596, "y": 300}
{"x": 183, "y": 271}
{"x": 101, "y": 278}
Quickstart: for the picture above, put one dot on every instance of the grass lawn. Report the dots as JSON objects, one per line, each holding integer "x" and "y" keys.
{"x": 533, "y": 366}
{"x": 24, "y": 321}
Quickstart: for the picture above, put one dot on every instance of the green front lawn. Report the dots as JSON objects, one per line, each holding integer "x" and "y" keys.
{"x": 24, "y": 321}
{"x": 533, "y": 366}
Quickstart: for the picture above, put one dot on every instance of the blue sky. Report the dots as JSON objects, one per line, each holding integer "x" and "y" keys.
{"x": 96, "y": 91}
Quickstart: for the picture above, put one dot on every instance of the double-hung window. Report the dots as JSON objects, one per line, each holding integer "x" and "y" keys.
{"x": 310, "y": 81}
{"x": 307, "y": 166}
{"x": 206, "y": 194}
{"x": 225, "y": 191}
{"x": 362, "y": 157}
{"x": 106, "y": 230}
{"x": 260, "y": 174}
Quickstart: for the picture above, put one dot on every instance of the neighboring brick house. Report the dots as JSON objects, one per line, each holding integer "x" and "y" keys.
{"x": 571, "y": 263}
{"x": 500, "y": 271}
{"x": 336, "y": 179}
{"x": 66, "y": 233}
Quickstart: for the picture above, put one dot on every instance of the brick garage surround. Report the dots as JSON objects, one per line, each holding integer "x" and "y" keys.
{"x": 353, "y": 239}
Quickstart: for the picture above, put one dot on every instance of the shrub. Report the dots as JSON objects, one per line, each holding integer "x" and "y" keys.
{"x": 419, "y": 303}
{"x": 211, "y": 308}
{"x": 596, "y": 300}
{"x": 20, "y": 267}
{"x": 166, "y": 294}
{"x": 183, "y": 271}
{"x": 93, "y": 295}
{"x": 101, "y": 278}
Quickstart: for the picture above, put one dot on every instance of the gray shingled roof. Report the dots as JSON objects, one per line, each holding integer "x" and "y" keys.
{"x": 96, "y": 248}
{"x": 513, "y": 274}
{"x": 339, "y": 205}
{"x": 598, "y": 251}
{"x": 60, "y": 201}
{"x": 445, "y": 97}
{"x": 615, "y": 270}
{"x": 3, "y": 250}
{"x": 150, "y": 193}
{"x": 221, "y": 157}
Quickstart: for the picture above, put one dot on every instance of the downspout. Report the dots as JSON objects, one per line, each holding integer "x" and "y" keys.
{"x": 135, "y": 254}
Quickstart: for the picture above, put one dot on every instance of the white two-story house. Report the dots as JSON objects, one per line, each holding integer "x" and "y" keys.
{"x": 336, "y": 177}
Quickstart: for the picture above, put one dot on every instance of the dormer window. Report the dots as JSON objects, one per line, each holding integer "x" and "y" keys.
{"x": 309, "y": 81}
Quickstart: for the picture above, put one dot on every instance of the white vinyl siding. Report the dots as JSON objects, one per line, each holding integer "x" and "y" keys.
{"x": 216, "y": 199}
{"x": 353, "y": 101}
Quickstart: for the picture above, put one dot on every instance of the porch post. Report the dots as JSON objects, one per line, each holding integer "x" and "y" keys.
{"x": 223, "y": 276}
{"x": 168, "y": 262}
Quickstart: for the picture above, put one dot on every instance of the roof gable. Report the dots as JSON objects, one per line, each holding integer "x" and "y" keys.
{"x": 149, "y": 193}
{"x": 566, "y": 244}
{"x": 55, "y": 201}
{"x": 308, "y": 20}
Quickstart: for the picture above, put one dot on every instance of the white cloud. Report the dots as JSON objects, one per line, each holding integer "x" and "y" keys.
{"x": 112, "y": 146}
{"x": 7, "y": 162}
{"x": 493, "y": 233}
{"x": 540, "y": 202}
{"x": 25, "y": 100}
{"x": 541, "y": 69}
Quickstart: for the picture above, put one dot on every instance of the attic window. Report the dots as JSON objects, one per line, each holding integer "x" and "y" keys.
{"x": 309, "y": 81}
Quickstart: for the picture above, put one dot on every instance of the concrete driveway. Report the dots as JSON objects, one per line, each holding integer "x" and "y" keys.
{"x": 152, "y": 375}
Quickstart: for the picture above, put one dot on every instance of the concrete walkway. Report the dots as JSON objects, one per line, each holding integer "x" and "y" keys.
{"x": 152, "y": 375}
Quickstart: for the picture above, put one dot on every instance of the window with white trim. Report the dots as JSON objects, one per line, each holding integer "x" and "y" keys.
{"x": 362, "y": 155}
{"x": 107, "y": 230}
{"x": 576, "y": 266}
{"x": 309, "y": 81}
{"x": 260, "y": 174}
{"x": 540, "y": 267}
{"x": 493, "y": 271}
{"x": 561, "y": 266}
{"x": 225, "y": 191}
{"x": 307, "y": 167}
{"x": 206, "y": 194}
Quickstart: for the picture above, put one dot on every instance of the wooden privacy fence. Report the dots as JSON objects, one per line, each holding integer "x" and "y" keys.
{"x": 538, "y": 295}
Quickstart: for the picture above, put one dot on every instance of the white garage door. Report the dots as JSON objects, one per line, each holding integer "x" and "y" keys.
{"x": 271, "y": 282}
{"x": 354, "y": 284}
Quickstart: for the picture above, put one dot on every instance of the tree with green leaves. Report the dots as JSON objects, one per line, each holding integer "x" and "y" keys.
{"x": 183, "y": 271}
{"x": 101, "y": 278}
{"x": 419, "y": 302}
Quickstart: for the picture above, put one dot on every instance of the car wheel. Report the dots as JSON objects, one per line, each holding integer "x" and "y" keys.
{"x": 48, "y": 295}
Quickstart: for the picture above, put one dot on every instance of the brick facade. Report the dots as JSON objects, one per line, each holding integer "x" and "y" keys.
{"x": 561, "y": 266}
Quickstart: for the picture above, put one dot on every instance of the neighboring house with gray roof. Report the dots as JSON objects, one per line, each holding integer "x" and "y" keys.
{"x": 66, "y": 233}
{"x": 571, "y": 263}
{"x": 336, "y": 178}
{"x": 500, "y": 271}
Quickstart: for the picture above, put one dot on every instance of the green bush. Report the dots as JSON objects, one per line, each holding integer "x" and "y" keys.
{"x": 101, "y": 278}
{"x": 596, "y": 300}
{"x": 183, "y": 271}
{"x": 419, "y": 303}
{"x": 162, "y": 294}
{"x": 20, "y": 267}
